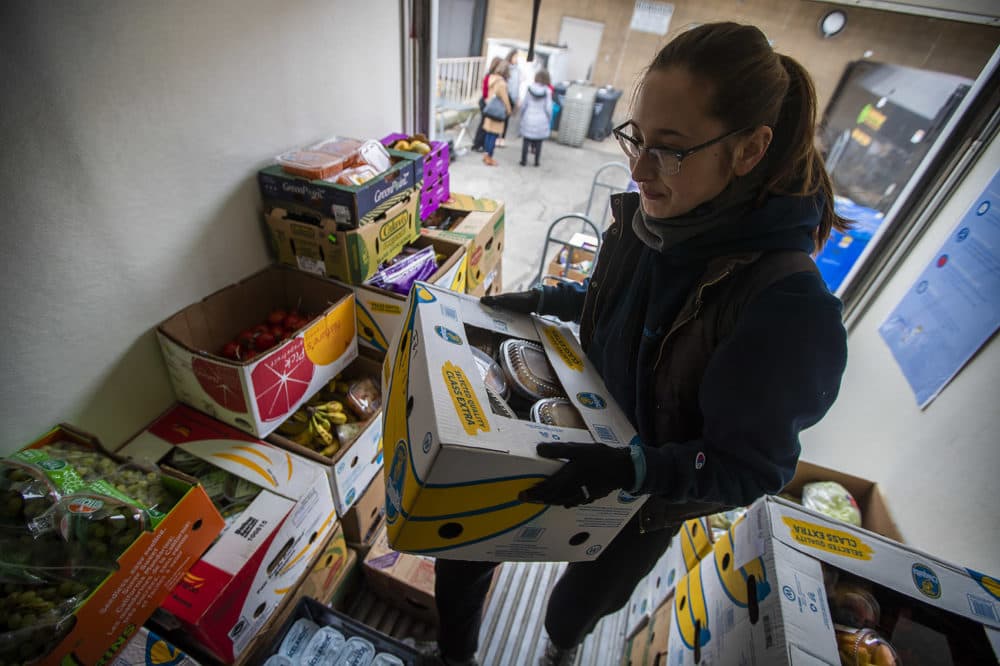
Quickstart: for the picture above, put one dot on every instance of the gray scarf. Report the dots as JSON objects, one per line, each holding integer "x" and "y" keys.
{"x": 663, "y": 233}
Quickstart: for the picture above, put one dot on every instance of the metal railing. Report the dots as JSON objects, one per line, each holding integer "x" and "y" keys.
{"x": 459, "y": 81}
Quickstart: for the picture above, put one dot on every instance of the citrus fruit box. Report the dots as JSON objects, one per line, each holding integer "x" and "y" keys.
{"x": 483, "y": 230}
{"x": 350, "y": 206}
{"x": 760, "y": 596}
{"x": 229, "y": 594}
{"x": 317, "y": 245}
{"x": 454, "y": 468}
{"x": 380, "y": 311}
{"x": 353, "y": 466}
{"x": 146, "y": 572}
{"x": 257, "y": 395}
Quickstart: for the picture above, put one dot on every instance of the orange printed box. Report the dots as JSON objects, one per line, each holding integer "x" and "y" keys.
{"x": 145, "y": 573}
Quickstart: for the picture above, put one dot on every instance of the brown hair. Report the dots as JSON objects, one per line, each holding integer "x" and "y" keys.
{"x": 494, "y": 64}
{"x": 542, "y": 76}
{"x": 502, "y": 69}
{"x": 752, "y": 85}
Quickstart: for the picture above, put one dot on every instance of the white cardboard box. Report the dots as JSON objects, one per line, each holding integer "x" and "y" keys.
{"x": 350, "y": 469}
{"x": 229, "y": 593}
{"x": 783, "y": 617}
{"x": 257, "y": 395}
{"x": 689, "y": 545}
{"x": 454, "y": 468}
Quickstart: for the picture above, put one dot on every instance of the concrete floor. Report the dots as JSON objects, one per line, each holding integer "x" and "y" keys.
{"x": 535, "y": 197}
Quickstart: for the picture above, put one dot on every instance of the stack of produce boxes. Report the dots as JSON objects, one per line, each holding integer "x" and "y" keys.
{"x": 479, "y": 223}
{"x": 365, "y": 235}
{"x": 91, "y": 545}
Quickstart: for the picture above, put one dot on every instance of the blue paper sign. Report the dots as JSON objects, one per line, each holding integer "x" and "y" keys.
{"x": 954, "y": 306}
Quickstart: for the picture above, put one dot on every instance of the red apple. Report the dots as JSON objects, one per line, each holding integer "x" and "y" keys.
{"x": 279, "y": 333}
{"x": 294, "y": 322}
{"x": 264, "y": 341}
{"x": 246, "y": 338}
{"x": 277, "y": 316}
{"x": 261, "y": 328}
{"x": 232, "y": 350}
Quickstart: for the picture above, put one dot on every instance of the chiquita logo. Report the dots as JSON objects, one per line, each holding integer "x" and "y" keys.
{"x": 563, "y": 348}
{"x": 448, "y": 334}
{"x": 397, "y": 476}
{"x": 926, "y": 581}
{"x": 591, "y": 400}
{"x": 469, "y": 411}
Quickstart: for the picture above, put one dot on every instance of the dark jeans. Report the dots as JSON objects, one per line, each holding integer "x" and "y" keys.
{"x": 477, "y": 142}
{"x": 586, "y": 592}
{"x": 489, "y": 142}
{"x": 536, "y": 147}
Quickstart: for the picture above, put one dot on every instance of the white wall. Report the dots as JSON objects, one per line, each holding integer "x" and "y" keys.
{"x": 938, "y": 467}
{"x": 131, "y": 132}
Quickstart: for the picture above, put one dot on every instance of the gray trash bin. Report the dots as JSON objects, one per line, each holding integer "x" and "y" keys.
{"x": 576, "y": 114}
{"x": 559, "y": 99}
{"x": 604, "y": 108}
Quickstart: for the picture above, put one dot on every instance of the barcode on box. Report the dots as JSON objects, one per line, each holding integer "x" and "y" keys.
{"x": 605, "y": 434}
{"x": 449, "y": 312}
{"x": 530, "y": 534}
{"x": 768, "y": 632}
{"x": 983, "y": 608}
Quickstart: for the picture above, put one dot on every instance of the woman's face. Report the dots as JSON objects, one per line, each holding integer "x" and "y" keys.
{"x": 672, "y": 112}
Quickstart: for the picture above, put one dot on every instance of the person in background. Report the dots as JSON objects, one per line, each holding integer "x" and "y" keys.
{"x": 705, "y": 316}
{"x": 496, "y": 85}
{"x": 536, "y": 117}
{"x": 477, "y": 142}
{"x": 513, "y": 89}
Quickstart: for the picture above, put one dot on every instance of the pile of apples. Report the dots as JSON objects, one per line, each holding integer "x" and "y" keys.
{"x": 280, "y": 325}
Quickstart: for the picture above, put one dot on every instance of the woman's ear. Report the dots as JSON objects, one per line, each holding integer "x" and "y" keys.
{"x": 751, "y": 149}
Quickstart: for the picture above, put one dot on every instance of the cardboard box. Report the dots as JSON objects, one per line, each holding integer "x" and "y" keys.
{"x": 875, "y": 515}
{"x": 229, "y": 594}
{"x": 147, "y": 648}
{"x": 760, "y": 597}
{"x": 362, "y": 522}
{"x": 659, "y": 635}
{"x": 575, "y": 260}
{"x": 482, "y": 231}
{"x": 352, "y": 468}
{"x": 404, "y": 580}
{"x": 636, "y": 647}
{"x": 638, "y": 606}
{"x": 146, "y": 573}
{"x": 349, "y": 627}
{"x": 467, "y": 202}
{"x": 257, "y": 395}
{"x": 380, "y": 312}
{"x": 491, "y": 284}
{"x": 317, "y": 245}
{"x": 454, "y": 468}
{"x": 689, "y": 545}
{"x": 350, "y": 205}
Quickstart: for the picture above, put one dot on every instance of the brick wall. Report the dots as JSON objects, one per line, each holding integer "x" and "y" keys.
{"x": 902, "y": 39}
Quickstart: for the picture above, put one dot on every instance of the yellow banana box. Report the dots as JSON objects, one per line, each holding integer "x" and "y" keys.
{"x": 264, "y": 551}
{"x": 454, "y": 468}
{"x": 380, "y": 312}
{"x": 759, "y": 597}
{"x": 690, "y": 544}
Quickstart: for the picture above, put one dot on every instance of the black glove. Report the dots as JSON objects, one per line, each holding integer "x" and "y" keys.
{"x": 524, "y": 302}
{"x": 592, "y": 471}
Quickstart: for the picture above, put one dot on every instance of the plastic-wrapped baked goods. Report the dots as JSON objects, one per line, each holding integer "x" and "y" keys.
{"x": 557, "y": 412}
{"x": 528, "y": 371}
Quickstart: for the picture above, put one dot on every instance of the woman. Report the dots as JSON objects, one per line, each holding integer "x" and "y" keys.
{"x": 705, "y": 316}
{"x": 496, "y": 86}
{"x": 536, "y": 117}
{"x": 513, "y": 89}
{"x": 477, "y": 142}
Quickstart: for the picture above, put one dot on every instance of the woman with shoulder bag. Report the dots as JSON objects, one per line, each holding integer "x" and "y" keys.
{"x": 496, "y": 111}
{"x": 705, "y": 316}
{"x": 477, "y": 142}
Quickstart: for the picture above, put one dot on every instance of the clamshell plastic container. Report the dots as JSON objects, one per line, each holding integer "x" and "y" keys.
{"x": 528, "y": 371}
{"x": 557, "y": 412}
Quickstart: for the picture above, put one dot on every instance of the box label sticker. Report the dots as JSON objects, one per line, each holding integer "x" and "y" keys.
{"x": 825, "y": 538}
{"x": 563, "y": 348}
{"x": 469, "y": 410}
{"x": 394, "y": 226}
{"x": 388, "y": 308}
{"x": 310, "y": 265}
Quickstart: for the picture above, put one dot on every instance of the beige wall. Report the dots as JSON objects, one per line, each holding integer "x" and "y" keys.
{"x": 902, "y": 39}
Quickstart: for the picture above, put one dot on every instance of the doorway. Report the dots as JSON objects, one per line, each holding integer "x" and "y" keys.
{"x": 584, "y": 40}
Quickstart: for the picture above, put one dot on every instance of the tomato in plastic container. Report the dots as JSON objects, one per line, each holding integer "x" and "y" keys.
{"x": 311, "y": 164}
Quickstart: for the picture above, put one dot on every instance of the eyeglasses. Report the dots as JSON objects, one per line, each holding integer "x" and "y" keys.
{"x": 668, "y": 161}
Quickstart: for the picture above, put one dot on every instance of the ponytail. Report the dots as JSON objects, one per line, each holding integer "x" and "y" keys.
{"x": 797, "y": 169}
{"x": 753, "y": 86}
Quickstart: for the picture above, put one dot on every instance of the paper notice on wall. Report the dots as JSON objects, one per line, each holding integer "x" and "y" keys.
{"x": 953, "y": 308}
{"x": 652, "y": 17}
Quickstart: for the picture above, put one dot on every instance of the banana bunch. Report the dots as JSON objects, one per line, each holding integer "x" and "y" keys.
{"x": 314, "y": 424}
